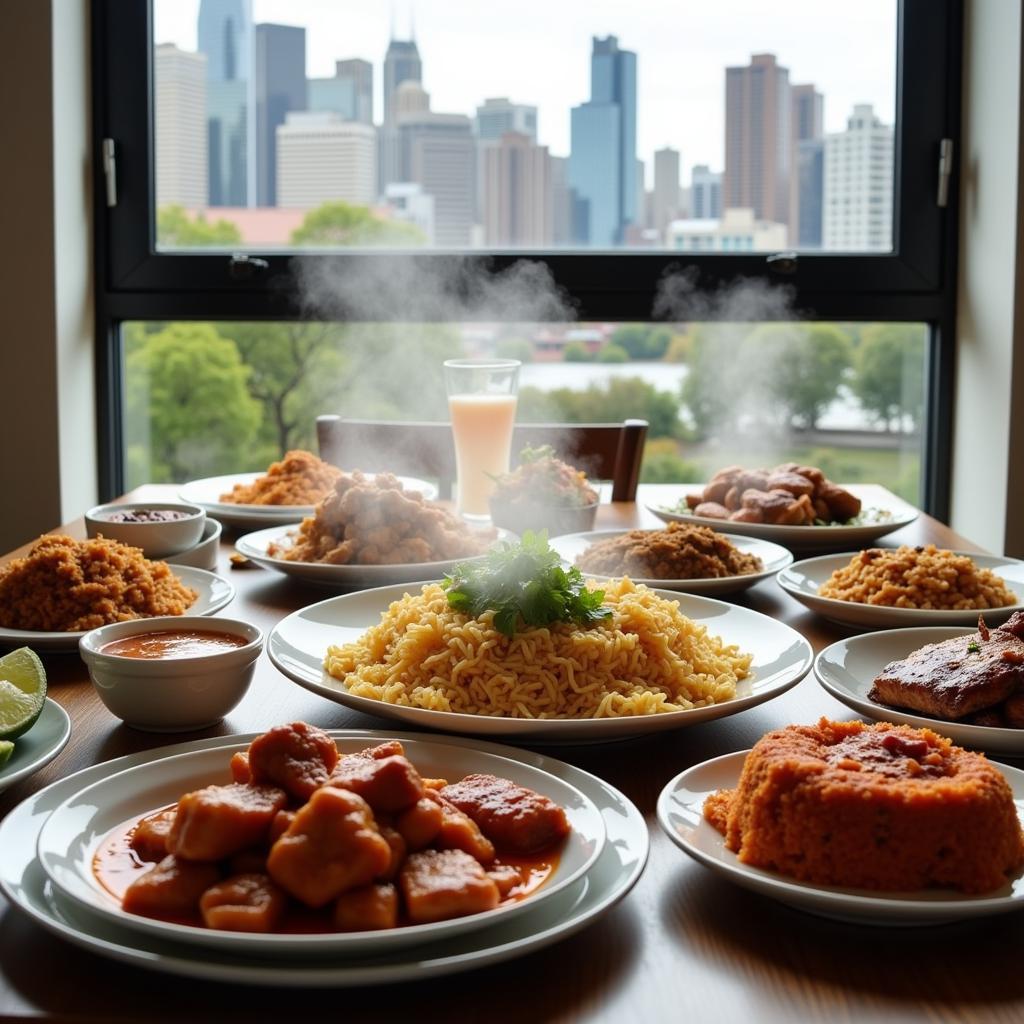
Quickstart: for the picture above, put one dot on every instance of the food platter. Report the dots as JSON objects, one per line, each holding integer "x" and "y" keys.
{"x": 848, "y": 667}
{"x": 680, "y": 814}
{"x": 75, "y": 831}
{"x": 616, "y": 870}
{"x": 802, "y": 580}
{"x": 214, "y": 592}
{"x": 39, "y": 746}
{"x": 571, "y": 545}
{"x": 297, "y": 646}
{"x": 254, "y": 546}
{"x": 206, "y": 493}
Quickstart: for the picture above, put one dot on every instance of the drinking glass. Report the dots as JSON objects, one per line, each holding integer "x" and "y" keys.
{"x": 482, "y": 405}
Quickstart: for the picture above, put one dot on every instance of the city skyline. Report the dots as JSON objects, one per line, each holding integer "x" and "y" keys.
{"x": 677, "y": 104}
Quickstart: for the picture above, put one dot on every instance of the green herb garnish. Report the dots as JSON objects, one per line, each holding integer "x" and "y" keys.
{"x": 524, "y": 580}
{"x": 973, "y": 647}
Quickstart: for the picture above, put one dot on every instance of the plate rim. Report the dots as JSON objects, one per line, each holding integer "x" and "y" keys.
{"x": 48, "y": 755}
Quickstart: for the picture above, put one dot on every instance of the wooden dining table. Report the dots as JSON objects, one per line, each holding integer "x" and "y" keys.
{"x": 683, "y": 945}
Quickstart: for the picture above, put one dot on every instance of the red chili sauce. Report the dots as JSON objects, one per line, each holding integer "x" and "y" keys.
{"x": 174, "y": 643}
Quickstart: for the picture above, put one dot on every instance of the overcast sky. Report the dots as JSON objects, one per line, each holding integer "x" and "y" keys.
{"x": 538, "y": 52}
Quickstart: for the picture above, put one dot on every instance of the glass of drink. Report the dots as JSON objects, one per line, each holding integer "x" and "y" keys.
{"x": 482, "y": 405}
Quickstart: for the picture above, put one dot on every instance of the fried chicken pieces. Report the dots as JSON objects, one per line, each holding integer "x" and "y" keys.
{"x": 361, "y": 837}
{"x": 788, "y": 495}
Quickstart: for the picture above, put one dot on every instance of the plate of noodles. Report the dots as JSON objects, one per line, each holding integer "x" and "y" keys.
{"x": 403, "y": 653}
{"x": 908, "y": 586}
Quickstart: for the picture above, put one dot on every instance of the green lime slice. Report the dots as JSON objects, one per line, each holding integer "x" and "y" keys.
{"x": 6, "y": 749}
{"x": 22, "y": 692}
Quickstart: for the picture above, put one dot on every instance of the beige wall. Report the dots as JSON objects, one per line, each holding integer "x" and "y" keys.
{"x": 47, "y": 406}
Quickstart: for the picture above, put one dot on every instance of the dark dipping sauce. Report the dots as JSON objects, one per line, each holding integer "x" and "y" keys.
{"x": 147, "y": 515}
{"x": 176, "y": 643}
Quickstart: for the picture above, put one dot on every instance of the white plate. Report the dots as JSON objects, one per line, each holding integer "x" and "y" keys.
{"x": 204, "y": 554}
{"x": 617, "y": 869}
{"x": 254, "y": 546}
{"x": 680, "y": 814}
{"x": 848, "y": 668}
{"x": 207, "y": 492}
{"x": 77, "y": 828}
{"x": 298, "y": 644}
{"x": 803, "y": 538}
{"x": 802, "y": 580}
{"x": 39, "y": 746}
{"x": 571, "y": 545}
{"x": 213, "y": 591}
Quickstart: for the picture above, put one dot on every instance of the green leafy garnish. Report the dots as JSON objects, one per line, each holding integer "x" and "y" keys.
{"x": 524, "y": 581}
{"x": 973, "y": 647}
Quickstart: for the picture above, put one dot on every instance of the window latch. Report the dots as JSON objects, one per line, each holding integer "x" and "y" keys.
{"x": 945, "y": 171}
{"x": 245, "y": 268}
{"x": 110, "y": 170}
{"x": 782, "y": 262}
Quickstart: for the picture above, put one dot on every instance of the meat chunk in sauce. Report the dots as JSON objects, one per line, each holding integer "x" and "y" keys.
{"x": 332, "y": 845}
{"x": 506, "y": 877}
{"x": 398, "y": 850}
{"x": 441, "y": 884}
{"x": 215, "y": 822}
{"x": 459, "y": 832}
{"x": 171, "y": 888}
{"x": 297, "y": 757}
{"x": 240, "y": 771}
{"x": 420, "y": 823}
{"x": 368, "y": 908}
{"x": 386, "y": 784}
{"x": 389, "y": 748}
{"x": 511, "y": 816}
{"x": 244, "y": 903}
{"x": 149, "y": 837}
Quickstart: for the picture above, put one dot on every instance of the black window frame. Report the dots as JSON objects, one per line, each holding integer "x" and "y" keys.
{"x": 914, "y": 282}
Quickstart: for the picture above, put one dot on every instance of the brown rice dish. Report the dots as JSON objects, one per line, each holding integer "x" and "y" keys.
{"x": 878, "y": 806}
{"x": 647, "y": 658}
{"x": 375, "y": 521}
{"x": 922, "y": 577}
{"x": 66, "y": 585}
{"x": 300, "y": 478}
{"x": 678, "y": 552}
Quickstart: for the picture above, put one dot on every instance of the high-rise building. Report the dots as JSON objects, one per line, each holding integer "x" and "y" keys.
{"x": 665, "y": 200}
{"x": 602, "y": 160}
{"x": 349, "y": 93}
{"x": 562, "y": 198}
{"x": 858, "y": 184}
{"x": 517, "y": 193}
{"x": 179, "y": 80}
{"x": 758, "y": 139}
{"x": 807, "y": 125}
{"x": 499, "y": 115}
{"x": 407, "y": 202}
{"x": 359, "y": 73}
{"x": 323, "y": 158}
{"x": 401, "y": 64}
{"x": 705, "y": 193}
{"x": 224, "y": 34}
{"x": 280, "y": 86}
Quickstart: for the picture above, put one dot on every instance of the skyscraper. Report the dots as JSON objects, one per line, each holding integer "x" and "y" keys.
{"x": 179, "y": 80}
{"x": 322, "y": 158}
{"x": 280, "y": 86}
{"x": 360, "y": 74}
{"x": 517, "y": 192}
{"x": 401, "y": 64}
{"x": 602, "y": 159}
{"x": 499, "y": 115}
{"x": 224, "y": 33}
{"x": 349, "y": 93}
{"x": 666, "y": 189}
{"x": 807, "y": 127}
{"x": 705, "y": 193}
{"x": 758, "y": 141}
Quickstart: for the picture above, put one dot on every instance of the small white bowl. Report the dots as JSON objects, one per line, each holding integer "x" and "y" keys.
{"x": 204, "y": 554}
{"x": 157, "y": 539}
{"x": 174, "y": 694}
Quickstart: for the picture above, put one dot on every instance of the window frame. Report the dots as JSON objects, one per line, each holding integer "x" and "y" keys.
{"x": 916, "y": 281}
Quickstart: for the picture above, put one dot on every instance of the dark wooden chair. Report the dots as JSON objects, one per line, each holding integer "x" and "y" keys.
{"x": 605, "y": 451}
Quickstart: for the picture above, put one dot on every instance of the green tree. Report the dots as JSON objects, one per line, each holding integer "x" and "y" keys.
{"x": 514, "y": 348}
{"x": 712, "y": 390}
{"x": 189, "y": 412}
{"x": 888, "y": 376}
{"x": 662, "y": 464}
{"x": 338, "y": 224}
{"x": 576, "y": 352}
{"x": 613, "y": 353}
{"x": 174, "y": 229}
{"x": 642, "y": 341}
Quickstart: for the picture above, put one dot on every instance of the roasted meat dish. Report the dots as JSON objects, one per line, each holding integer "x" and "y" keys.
{"x": 977, "y": 678}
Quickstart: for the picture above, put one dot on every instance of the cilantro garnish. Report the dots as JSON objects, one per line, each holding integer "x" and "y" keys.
{"x": 973, "y": 647}
{"x": 526, "y": 581}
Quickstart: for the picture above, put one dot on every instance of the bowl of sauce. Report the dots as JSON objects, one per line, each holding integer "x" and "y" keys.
{"x": 172, "y": 673}
{"x": 160, "y": 528}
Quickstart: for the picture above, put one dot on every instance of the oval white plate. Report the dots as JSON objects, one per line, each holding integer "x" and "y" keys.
{"x": 204, "y": 554}
{"x": 254, "y": 546}
{"x": 207, "y": 492}
{"x": 848, "y": 668}
{"x": 39, "y": 746}
{"x": 571, "y": 545}
{"x": 213, "y": 591}
{"x": 617, "y": 870}
{"x": 298, "y": 644}
{"x": 70, "y": 838}
{"x": 680, "y": 814}
{"x": 802, "y": 580}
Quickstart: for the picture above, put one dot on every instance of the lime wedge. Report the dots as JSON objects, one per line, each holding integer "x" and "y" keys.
{"x": 6, "y": 749}
{"x": 22, "y": 692}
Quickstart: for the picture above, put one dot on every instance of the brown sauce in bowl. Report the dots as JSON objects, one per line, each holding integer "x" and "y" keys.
{"x": 147, "y": 515}
{"x": 176, "y": 643}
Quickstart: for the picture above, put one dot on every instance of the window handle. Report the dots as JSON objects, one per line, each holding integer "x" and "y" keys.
{"x": 245, "y": 268}
{"x": 782, "y": 262}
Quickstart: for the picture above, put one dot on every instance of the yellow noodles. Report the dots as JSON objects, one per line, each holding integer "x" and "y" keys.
{"x": 647, "y": 659}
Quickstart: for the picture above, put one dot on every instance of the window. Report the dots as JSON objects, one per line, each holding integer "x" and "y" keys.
{"x": 176, "y": 236}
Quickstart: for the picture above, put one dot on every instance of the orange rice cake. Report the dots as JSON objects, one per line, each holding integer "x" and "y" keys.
{"x": 871, "y": 806}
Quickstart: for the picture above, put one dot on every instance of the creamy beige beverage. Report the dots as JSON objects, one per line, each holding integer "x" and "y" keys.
{"x": 482, "y": 429}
